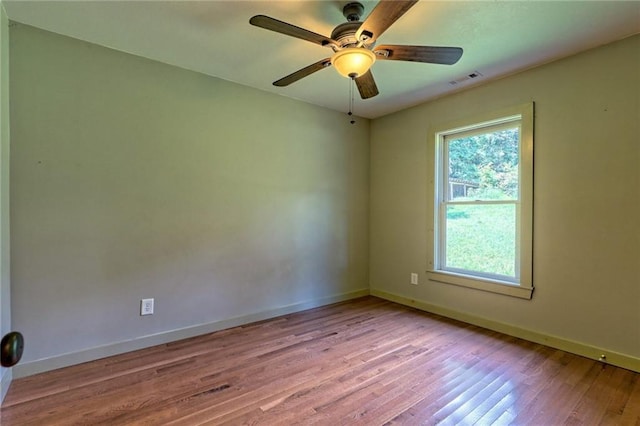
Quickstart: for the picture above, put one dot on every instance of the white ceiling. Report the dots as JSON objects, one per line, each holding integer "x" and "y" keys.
{"x": 215, "y": 38}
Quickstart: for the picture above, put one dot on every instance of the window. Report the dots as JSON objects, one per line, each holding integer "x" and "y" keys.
{"x": 483, "y": 203}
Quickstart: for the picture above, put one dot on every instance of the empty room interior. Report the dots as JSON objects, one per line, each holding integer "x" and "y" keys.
{"x": 206, "y": 219}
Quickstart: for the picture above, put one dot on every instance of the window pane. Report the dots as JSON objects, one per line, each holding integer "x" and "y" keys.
{"x": 484, "y": 166}
{"x": 481, "y": 238}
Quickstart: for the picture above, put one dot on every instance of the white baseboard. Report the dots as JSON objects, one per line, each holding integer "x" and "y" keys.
{"x": 5, "y": 381}
{"x": 65, "y": 360}
{"x": 588, "y": 351}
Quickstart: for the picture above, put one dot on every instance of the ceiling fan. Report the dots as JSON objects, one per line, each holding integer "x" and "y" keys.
{"x": 354, "y": 44}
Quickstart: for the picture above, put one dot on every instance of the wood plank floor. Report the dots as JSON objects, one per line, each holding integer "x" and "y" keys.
{"x": 366, "y": 361}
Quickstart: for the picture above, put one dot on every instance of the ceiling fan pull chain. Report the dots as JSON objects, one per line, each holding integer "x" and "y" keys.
{"x": 350, "y": 114}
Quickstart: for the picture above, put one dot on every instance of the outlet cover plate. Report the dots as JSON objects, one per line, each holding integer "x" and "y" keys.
{"x": 146, "y": 307}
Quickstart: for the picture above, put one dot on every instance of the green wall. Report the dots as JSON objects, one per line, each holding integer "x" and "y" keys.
{"x": 5, "y": 277}
{"x": 133, "y": 179}
{"x": 586, "y": 266}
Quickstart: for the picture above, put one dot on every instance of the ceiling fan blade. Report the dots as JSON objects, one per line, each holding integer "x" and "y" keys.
{"x": 367, "y": 85}
{"x": 382, "y": 17}
{"x": 281, "y": 27}
{"x": 428, "y": 54}
{"x": 301, "y": 73}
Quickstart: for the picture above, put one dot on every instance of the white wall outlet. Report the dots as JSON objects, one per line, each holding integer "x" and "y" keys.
{"x": 146, "y": 307}
{"x": 414, "y": 278}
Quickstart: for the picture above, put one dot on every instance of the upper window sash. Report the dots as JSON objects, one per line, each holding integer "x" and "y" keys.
{"x": 444, "y": 139}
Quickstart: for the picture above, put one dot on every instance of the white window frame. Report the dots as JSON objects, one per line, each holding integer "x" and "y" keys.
{"x": 522, "y": 285}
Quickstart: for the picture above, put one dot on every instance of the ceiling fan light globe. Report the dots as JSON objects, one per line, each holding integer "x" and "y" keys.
{"x": 353, "y": 62}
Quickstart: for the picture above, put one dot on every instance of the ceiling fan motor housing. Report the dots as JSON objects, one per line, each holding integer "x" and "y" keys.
{"x": 345, "y": 33}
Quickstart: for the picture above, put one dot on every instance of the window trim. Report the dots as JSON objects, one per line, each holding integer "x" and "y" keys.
{"x": 524, "y": 287}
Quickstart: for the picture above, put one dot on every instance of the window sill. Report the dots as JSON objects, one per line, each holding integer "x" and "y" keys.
{"x": 483, "y": 284}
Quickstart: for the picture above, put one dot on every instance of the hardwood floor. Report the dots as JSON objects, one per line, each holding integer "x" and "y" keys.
{"x": 366, "y": 361}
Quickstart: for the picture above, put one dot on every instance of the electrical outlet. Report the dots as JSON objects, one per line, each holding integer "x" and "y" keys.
{"x": 414, "y": 278}
{"x": 146, "y": 307}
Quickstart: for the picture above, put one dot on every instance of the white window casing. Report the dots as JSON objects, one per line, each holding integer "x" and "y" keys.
{"x": 521, "y": 283}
